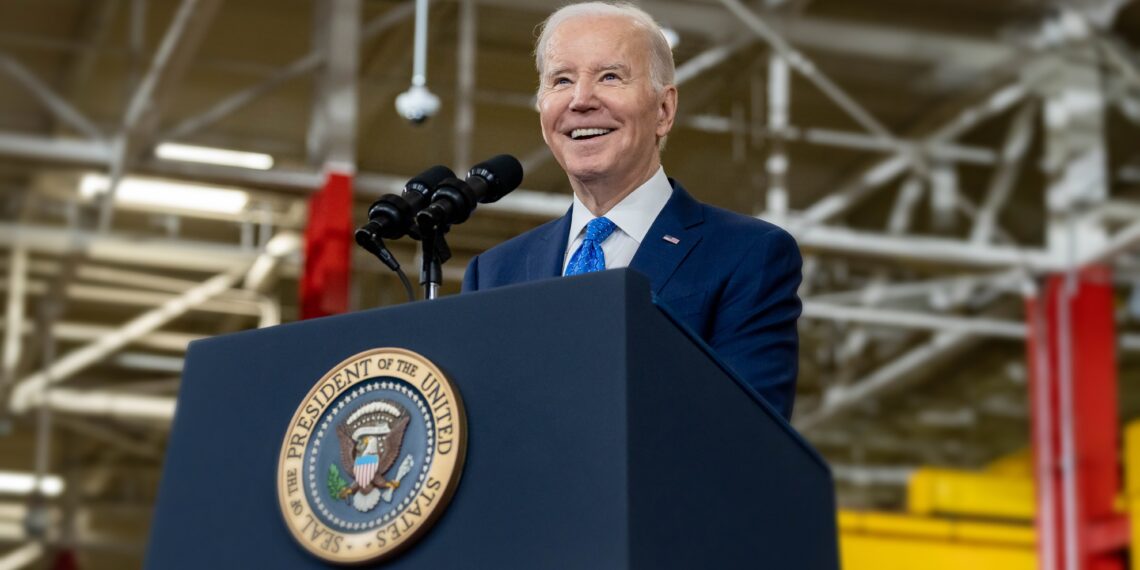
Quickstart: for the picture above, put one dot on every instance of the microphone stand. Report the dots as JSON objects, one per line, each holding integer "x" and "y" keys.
{"x": 434, "y": 253}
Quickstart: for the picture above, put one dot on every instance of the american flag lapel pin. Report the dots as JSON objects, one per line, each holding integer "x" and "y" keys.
{"x": 671, "y": 239}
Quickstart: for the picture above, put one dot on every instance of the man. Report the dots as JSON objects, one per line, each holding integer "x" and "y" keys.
{"x": 607, "y": 101}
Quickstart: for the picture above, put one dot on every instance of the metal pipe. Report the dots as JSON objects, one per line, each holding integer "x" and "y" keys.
{"x": 887, "y": 168}
{"x": 465, "y": 84}
{"x": 22, "y": 556}
{"x": 920, "y": 249}
{"x": 802, "y": 64}
{"x": 779, "y": 101}
{"x": 110, "y": 404}
{"x": 17, "y": 290}
{"x": 419, "y": 61}
{"x": 1043, "y": 424}
{"x": 1001, "y": 184}
{"x": 63, "y": 110}
{"x": 840, "y": 399}
{"x": 911, "y": 319}
{"x": 35, "y": 384}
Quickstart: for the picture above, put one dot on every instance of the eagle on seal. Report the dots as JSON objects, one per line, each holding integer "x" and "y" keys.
{"x": 370, "y": 441}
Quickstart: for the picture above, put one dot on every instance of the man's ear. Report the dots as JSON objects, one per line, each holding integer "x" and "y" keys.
{"x": 666, "y": 111}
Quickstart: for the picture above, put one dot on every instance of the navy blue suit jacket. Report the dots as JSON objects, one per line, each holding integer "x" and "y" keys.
{"x": 731, "y": 278}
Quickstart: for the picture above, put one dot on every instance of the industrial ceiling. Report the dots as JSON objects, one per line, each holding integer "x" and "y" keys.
{"x": 934, "y": 160}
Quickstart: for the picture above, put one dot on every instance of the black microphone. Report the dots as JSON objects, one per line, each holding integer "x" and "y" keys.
{"x": 391, "y": 216}
{"x": 455, "y": 199}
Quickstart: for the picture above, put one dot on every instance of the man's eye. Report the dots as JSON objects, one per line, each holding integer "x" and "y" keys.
{"x": 561, "y": 81}
{"x": 610, "y": 77}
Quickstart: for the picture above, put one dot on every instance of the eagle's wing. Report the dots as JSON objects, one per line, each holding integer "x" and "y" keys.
{"x": 346, "y": 448}
{"x": 392, "y": 443}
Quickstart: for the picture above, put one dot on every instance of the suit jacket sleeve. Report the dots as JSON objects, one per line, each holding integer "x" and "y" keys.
{"x": 754, "y": 329}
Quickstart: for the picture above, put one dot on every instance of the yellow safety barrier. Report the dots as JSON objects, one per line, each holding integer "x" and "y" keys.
{"x": 877, "y": 541}
{"x": 1132, "y": 486}
{"x": 976, "y": 494}
{"x": 1001, "y": 494}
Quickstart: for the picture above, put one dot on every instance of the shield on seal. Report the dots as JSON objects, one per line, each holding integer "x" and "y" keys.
{"x": 364, "y": 468}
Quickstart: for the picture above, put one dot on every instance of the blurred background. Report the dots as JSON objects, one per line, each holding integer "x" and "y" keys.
{"x": 963, "y": 177}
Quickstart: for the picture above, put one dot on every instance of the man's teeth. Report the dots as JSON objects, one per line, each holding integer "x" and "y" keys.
{"x": 580, "y": 133}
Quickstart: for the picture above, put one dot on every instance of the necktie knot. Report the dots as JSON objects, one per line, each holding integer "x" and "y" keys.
{"x": 590, "y": 256}
{"x": 599, "y": 229}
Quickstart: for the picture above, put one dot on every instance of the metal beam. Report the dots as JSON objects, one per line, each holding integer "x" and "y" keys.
{"x": 183, "y": 255}
{"x": 72, "y": 151}
{"x": 224, "y": 108}
{"x": 994, "y": 328}
{"x": 921, "y": 249}
{"x": 886, "y": 169}
{"x": 842, "y": 139}
{"x": 158, "y": 86}
{"x": 331, "y": 138}
{"x": 111, "y": 404}
{"x": 841, "y": 399}
{"x": 101, "y": 432}
{"x": 466, "y": 61}
{"x": 1009, "y": 281}
{"x": 1001, "y": 184}
{"x": 299, "y": 67}
{"x": 803, "y": 64}
{"x": 62, "y": 110}
{"x": 33, "y": 386}
{"x": 14, "y": 317}
{"x": 157, "y": 340}
{"x": 22, "y": 557}
{"x": 844, "y": 37}
{"x": 136, "y": 298}
{"x": 98, "y": 22}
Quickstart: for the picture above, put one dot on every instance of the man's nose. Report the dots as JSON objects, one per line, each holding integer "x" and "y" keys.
{"x": 584, "y": 96}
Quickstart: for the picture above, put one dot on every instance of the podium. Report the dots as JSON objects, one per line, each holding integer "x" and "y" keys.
{"x": 602, "y": 434}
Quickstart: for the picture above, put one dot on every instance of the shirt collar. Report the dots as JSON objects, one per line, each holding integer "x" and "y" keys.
{"x": 635, "y": 213}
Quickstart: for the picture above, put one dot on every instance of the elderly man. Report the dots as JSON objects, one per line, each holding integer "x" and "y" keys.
{"x": 607, "y": 101}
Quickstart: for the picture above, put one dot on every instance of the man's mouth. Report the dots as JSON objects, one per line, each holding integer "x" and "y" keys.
{"x": 582, "y": 134}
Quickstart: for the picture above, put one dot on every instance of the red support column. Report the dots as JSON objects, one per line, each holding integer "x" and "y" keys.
{"x": 1072, "y": 355}
{"x": 328, "y": 248}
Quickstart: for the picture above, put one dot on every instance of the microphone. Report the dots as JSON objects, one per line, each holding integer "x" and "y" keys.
{"x": 455, "y": 199}
{"x": 391, "y": 216}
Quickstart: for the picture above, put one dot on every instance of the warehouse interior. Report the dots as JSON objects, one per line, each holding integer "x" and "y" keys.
{"x": 962, "y": 177}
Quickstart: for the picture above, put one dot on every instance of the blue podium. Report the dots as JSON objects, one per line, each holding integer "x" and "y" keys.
{"x": 601, "y": 435}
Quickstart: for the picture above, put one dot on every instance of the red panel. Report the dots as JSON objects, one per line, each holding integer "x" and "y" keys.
{"x": 328, "y": 249}
{"x": 1089, "y": 336}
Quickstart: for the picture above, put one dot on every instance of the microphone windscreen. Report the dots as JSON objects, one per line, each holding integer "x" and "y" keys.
{"x": 503, "y": 173}
{"x": 427, "y": 180}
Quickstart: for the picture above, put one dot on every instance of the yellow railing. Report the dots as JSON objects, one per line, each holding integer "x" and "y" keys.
{"x": 969, "y": 520}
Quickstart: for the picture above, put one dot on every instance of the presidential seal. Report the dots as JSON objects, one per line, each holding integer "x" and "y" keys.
{"x": 371, "y": 457}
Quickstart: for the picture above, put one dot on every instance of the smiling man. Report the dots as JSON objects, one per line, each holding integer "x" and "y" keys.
{"x": 606, "y": 101}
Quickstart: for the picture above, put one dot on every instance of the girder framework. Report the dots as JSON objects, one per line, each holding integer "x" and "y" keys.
{"x": 918, "y": 251}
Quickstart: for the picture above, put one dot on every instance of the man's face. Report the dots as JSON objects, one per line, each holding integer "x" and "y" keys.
{"x": 600, "y": 115}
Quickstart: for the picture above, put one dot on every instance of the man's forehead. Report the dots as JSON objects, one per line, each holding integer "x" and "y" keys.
{"x": 595, "y": 44}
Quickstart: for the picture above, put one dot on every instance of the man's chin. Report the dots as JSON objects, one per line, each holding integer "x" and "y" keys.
{"x": 589, "y": 168}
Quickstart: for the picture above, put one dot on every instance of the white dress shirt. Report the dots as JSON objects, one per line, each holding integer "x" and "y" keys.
{"x": 632, "y": 216}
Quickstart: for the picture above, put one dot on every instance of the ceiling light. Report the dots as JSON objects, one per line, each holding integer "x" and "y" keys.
{"x": 16, "y": 483}
{"x": 210, "y": 155}
{"x": 160, "y": 193}
{"x": 671, "y": 37}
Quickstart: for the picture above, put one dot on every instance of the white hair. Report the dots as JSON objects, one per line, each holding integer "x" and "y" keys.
{"x": 661, "y": 66}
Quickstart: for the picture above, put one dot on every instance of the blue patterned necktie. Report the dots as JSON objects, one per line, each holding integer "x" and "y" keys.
{"x": 589, "y": 256}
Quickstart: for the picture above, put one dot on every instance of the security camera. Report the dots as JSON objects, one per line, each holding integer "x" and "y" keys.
{"x": 417, "y": 104}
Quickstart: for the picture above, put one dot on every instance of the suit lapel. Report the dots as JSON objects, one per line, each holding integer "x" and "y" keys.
{"x": 670, "y": 239}
{"x": 545, "y": 260}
